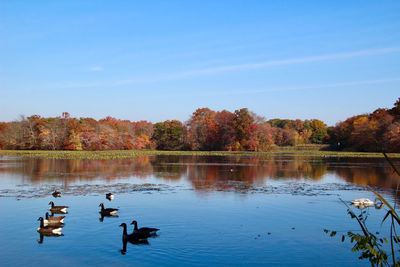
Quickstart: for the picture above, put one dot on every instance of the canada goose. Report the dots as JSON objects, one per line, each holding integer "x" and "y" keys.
{"x": 56, "y": 193}
{"x": 53, "y": 220}
{"x": 362, "y": 202}
{"x": 57, "y": 209}
{"x": 148, "y": 231}
{"x": 48, "y": 230}
{"x": 107, "y": 211}
{"x": 110, "y": 196}
{"x": 132, "y": 238}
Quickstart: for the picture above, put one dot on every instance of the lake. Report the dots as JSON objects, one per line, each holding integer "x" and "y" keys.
{"x": 211, "y": 211}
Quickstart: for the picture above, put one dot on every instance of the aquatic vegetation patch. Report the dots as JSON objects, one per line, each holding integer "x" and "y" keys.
{"x": 290, "y": 188}
{"x": 83, "y": 190}
{"x": 126, "y": 154}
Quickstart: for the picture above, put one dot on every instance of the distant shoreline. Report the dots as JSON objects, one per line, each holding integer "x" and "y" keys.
{"x": 126, "y": 154}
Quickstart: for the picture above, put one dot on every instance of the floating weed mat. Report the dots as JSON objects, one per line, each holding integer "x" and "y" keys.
{"x": 84, "y": 190}
{"x": 298, "y": 189}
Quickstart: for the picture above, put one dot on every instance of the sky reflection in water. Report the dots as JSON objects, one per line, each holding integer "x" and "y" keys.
{"x": 211, "y": 210}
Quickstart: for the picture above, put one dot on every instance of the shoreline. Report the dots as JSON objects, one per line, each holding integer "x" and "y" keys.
{"x": 126, "y": 154}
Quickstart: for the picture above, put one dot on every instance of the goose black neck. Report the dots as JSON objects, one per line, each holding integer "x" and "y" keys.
{"x": 41, "y": 224}
{"x": 135, "y": 226}
{"x": 125, "y": 232}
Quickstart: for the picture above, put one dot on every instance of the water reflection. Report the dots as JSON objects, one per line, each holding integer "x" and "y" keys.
{"x": 102, "y": 216}
{"x": 135, "y": 242}
{"x": 41, "y": 237}
{"x": 133, "y": 238}
{"x": 203, "y": 172}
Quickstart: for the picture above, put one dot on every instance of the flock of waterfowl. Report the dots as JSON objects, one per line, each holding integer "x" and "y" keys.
{"x": 52, "y": 225}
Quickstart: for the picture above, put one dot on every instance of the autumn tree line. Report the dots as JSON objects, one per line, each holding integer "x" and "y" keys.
{"x": 206, "y": 129}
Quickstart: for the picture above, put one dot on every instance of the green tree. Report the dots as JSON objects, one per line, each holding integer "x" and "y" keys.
{"x": 319, "y": 132}
{"x": 169, "y": 135}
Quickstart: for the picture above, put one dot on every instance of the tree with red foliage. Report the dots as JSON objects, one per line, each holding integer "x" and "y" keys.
{"x": 202, "y": 130}
{"x": 226, "y": 134}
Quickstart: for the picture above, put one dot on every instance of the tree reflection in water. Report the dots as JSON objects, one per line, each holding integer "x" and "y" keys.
{"x": 203, "y": 172}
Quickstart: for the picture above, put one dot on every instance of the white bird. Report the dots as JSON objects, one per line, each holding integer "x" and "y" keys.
{"x": 362, "y": 202}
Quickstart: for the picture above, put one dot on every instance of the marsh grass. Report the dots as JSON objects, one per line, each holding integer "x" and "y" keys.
{"x": 372, "y": 246}
{"x": 122, "y": 154}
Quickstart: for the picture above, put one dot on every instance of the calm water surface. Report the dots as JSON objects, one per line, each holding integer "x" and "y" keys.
{"x": 219, "y": 211}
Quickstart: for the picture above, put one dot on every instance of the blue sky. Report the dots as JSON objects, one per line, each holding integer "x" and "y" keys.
{"x": 158, "y": 60}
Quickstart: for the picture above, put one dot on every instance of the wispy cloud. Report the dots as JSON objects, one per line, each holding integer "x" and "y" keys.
{"x": 300, "y": 88}
{"x": 295, "y": 61}
{"x": 214, "y": 70}
{"x": 258, "y": 65}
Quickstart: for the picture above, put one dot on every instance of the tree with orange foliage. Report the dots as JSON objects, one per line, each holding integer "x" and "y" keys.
{"x": 244, "y": 127}
{"x": 202, "y": 130}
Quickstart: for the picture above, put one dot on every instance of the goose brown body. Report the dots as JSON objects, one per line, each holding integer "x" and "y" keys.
{"x": 53, "y": 220}
{"x": 57, "y": 209}
{"x": 48, "y": 230}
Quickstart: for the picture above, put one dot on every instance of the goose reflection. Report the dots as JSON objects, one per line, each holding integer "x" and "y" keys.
{"x": 102, "y": 216}
{"x": 134, "y": 238}
{"x": 41, "y": 237}
{"x": 134, "y": 242}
